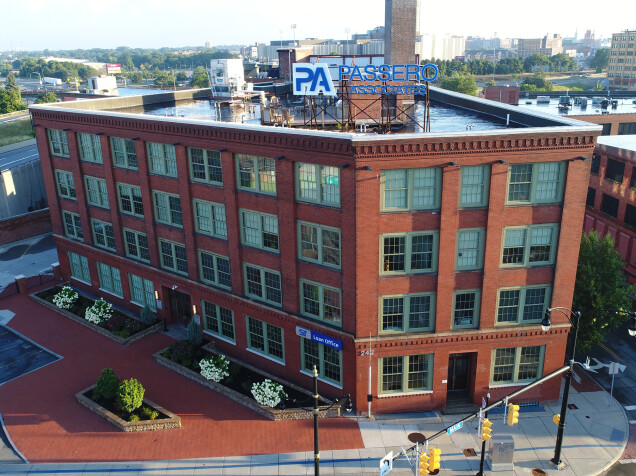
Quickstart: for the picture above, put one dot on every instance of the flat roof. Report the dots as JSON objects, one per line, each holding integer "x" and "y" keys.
{"x": 623, "y": 106}
{"x": 452, "y": 115}
{"x": 625, "y": 146}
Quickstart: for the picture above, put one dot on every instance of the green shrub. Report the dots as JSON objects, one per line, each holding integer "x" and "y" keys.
{"x": 130, "y": 395}
{"x": 107, "y": 385}
{"x": 147, "y": 316}
{"x": 133, "y": 417}
{"x": 194, "y": 333}
{"x": 149, "y": 414}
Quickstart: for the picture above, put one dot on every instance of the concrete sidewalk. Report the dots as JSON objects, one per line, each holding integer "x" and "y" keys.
{"x": 595, "y": 437}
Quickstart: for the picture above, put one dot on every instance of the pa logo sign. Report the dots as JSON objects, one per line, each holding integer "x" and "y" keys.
{"x": 312, "y": 79}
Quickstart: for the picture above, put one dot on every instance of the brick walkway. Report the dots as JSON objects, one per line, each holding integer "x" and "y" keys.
{"x": 47, "y": 424}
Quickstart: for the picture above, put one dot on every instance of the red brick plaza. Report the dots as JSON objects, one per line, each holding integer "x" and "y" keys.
{"x": 47, "y": 424}
{"x": 298, "y": 247}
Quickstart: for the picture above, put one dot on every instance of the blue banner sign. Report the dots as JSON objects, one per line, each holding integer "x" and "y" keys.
{"x": 318, "y": 337}
{"x": 455, "y": 427}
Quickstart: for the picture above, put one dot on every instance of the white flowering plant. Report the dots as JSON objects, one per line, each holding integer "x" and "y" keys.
{"x": 65, "y": 298}
{"x": 214, "y": 368}
{"x": 99, "y": 312}
{"x": 268, "y": 393}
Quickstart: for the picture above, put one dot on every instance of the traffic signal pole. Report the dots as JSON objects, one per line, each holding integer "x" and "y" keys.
{"x": 483, "y": 442}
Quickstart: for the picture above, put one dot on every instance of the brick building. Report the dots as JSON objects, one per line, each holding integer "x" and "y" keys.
{"x": 427, "y": 257}
{"x": 611, "y": 196}
{"x": 621, "y": 70}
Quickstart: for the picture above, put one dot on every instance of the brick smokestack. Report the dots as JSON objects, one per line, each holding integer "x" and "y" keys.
{"x": 400, "y": 22}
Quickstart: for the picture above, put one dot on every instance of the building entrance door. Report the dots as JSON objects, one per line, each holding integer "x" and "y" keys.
{"x": 458, "y": 365}
{"x": 180, "y": 307}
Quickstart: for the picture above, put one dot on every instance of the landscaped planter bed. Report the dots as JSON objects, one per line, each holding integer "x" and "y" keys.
{"x": 299, "y": 393}
{"x": 165, "y": 421}
{"x": 82, "y": 301}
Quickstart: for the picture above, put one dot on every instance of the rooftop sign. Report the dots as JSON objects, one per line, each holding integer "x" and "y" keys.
{"x": 316, "y": 79}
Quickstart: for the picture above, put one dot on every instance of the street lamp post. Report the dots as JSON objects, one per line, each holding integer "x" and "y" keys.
{"x": 574, "y": 318}
{"x": 316, "y": 411}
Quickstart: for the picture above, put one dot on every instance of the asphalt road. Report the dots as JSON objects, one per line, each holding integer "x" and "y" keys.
{"x": 619, "y": 347}
{"x": 18, "y": 156}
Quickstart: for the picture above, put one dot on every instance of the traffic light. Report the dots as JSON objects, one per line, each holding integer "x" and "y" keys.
{"x": 486, "y": 430}
{"x": 423, "y": 463}
{"x": 434, "y": 462}
{"x": 513, "y": 414}
{"x": 556, "y": 419}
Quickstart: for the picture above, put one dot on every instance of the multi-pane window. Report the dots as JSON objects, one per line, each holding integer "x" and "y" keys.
{"x": 79, "y": 267}
{"x": 529, "y": 245}
{"x": 218, "y": 320}
{"x": 96, "y": 192}
{"x": 409, "y": 252}
{"x": 257, "y": 174}
{"x": 168, "y": 208}
{"x": 136, "y": 245}
{"x": 517, "y": 364}
{"x": 474, "y": 186}
{"x": 320, "y": 301}
{"x": 263, "y": 284}
{"x": 591, "y": 197}
{"x": 318, "y": 184}
{"x": 142, "y": 291}
{"x": 124, "y": 153}
{"x": 522, "y": 305}
{"x": 215, "y": 269}
{"x": 630, "y": 216}
{"x": 162, "y": 159}
{"x": 536, "y": 183}
{"x": 411, "y": 189}
{"x": 109, "y": 279}
{"x": 58, "y": 142}
{"x": 470, "y": 249}
{"x": 103, "y": 235}
{"x": 209, "y": 218}
{"x": 466, "y": 309}
{"x": 130, "y": 200}
{"x": 265, "y": 338}
{"x": 90, "y": 147}
{"x": 319, "y": 244}
{"x": 65, "y": 184}
{"x": 615, "y": 170}
{"x": 173, "y": 256}
{"x": 259, "y": 230}
{"x": 406, "y": 373}
{"x": 408, "y": 313}
{"x": 72, "y": 225}
{"x": 327, "y": 360}
{"x": 205, "y": 166}
{"x": 609, "y": 205}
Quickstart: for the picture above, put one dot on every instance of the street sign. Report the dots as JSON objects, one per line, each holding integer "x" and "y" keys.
{"x": 576, "y": 376}
{"x": 483, "y": 402}
{"x": 615, "y": 367}
{"x": 455, "y": 427}
{"x": 386, "y": 464}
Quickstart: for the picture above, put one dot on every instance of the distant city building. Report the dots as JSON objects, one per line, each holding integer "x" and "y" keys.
{"x": 250, "y": 51}
{"x": 227, "y": 76}
{"x": 440, "y": 47}
{"x": 621, "y": 70}
{"x": 208, "y": 44}
{"x": 548, "y": 45}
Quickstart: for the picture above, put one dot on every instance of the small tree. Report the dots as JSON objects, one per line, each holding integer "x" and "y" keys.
{"x": 600, "y": 284}
{"x": 194, "y": 333}
{"x": 11, "y": 84}
{"x": 148, "y": 316}
{"x": 46, "y": 97}
{"x": 461, "y": 84}
{"x": 107, "y": 385}
{"x": 130, "y": 395}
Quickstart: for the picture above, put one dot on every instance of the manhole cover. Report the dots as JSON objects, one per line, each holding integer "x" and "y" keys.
{"x": 416, "y": 438}
{"x": 538, "y": 472}
{"x": 469, "y": 452}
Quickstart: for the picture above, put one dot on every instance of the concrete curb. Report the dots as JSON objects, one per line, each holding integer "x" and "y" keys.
{"x": 12, "y": 444}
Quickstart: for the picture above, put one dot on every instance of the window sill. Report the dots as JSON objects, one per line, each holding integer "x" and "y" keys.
{"x": 210, "y": 235}
{"x": 256, "y": 192}
{"x": 88, "y": 283}
{"x": 405, "y": 394}
{"x": 205, "y": 182}
{"x": 111, "y": 293}
{"x": 178, "y": 227}
{"x": 265, "y": 356}
{"x": 216, "y": 285}
{"x": 122, "y": 167}
{"x": 323, "y": 380}
{"x": 319, "y": 204}
{"x": 128, "y": 214}
{"x": 505, "y": 385}
{"x": 318, "y": 263}
{"x": 216, "y": 336}
{"x": 258, "y": 248}
{"x": 142, "y": 305}
{"x": 157, "y": 174}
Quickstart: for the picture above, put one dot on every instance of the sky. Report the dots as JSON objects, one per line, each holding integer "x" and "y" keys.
{"x": 71, "y": 24}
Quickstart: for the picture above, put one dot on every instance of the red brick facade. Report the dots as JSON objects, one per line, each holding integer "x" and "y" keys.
{"x": 361, "y": 222}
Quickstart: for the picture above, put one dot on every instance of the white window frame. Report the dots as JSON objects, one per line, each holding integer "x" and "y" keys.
{"x": 65, "y": 181}
{"x": 322, "y": 304}
{"x": 406, "y": 312}
{"x": 58, "y": 142}
{"x": 259, "y": 172}
{"x": 96, "y": 192}
{"x": 523, "y": 292}
{"x": 325, "y": 193}
{"x": 127, "y": 191}
{"x": 262, "y": 224}
{"x": 209, "y": 218}
{"x": 103, "y": 234}
{"x": 516, "y": 366}
{"x": 535, "y": 184}
{"x": 162, "y": 159}
{"x": 474, "y": 324}
{"x": 404, "y": 386}
{"x": 459, "y": 251}
{"x": 219, "y": 312}
{"x": 163, "y": 257}
{"x": 307, "y": 364}
{"x": 484, "y": 186}
{"x": 109, "y": 279}
{"x": 75, "y": 229}
{"x": 167, "y": 210}
{"x": 142, "y": 291}
{"x": 319, "y": 232}
{"x": 215, "y": 270}
{"x": 79, "y": 267}
{"x": 408, "y": 253}
{"x": 209, "y": 157}
{"x": 90, "y": 148}
{"x": 262, "y": 296}
{"x": 137, "y": 235}
{"x": 124, "y": 156}
{"x": 266, "y": 328}
{"x": 409, "y": 176}
{"x": 529, "y": 232}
